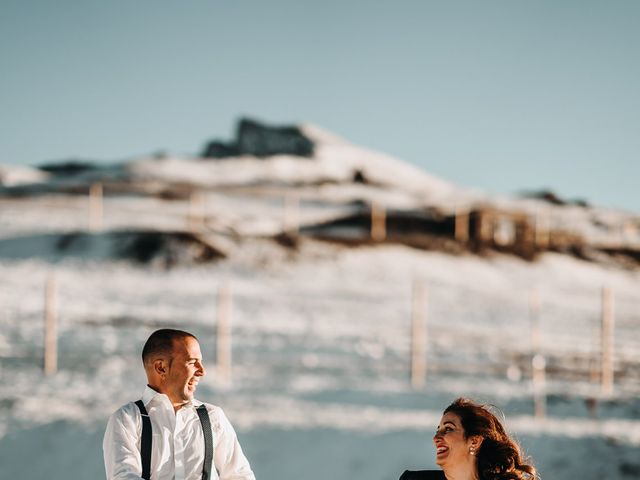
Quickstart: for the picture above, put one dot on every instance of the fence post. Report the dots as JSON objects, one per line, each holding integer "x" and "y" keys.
{"x": 378, "y": 222}
{"x": 607, "y": 338}
{"x": 51, "y": 326}
{"x": 630, "y": 233}
{"x": 538, "y": 362}
{"x": 542, "y": 227}
{"x": 196, "y": 212}
{"x": 419, "y": 336}
{"x": 291, "y": 214}
{"x": 224, "y": 334}
{"x": 539, "y": 365}
{"x": 95, "y": 207}
{"x": 461, "y": 225}
{"x": 594, "y": 357}
{"x": 534, "y": 321}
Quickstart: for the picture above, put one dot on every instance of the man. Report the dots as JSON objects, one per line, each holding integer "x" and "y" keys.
{"x": 175, "y": 437}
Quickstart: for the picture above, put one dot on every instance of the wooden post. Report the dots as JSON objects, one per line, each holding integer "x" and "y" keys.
{"x": 461, "y": 229}
{"x": 488, "y": 225}
{"x": 291, "y": 214}
{"x": 51, "y": 326}
{"x": 484, "y": 226}
{"x": 196, "y": 212}
{"x": 538, "y": 362}
{"x": 223, "y": 347}
{"x": 539, "y": 365}
{"x": 630, "y": 233}
{"x": 607, "y": 338}
{"x": 419, "y": 336}
{"x": 594, "y": 358}
{"x": 534, "y": 321}
{"x": 496, "y": 239}
{"x": 378, "y": 222}
{"x": 95, "y": 207}
{"x": 541, "y": 226}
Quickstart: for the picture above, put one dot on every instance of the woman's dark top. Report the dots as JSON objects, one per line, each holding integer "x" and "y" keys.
{"x": 423, "y": 475}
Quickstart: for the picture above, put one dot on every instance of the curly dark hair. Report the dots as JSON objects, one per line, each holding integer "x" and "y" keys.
{"x": 499, "y": 456}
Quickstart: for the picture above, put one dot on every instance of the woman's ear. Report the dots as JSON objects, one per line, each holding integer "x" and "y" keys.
{"x": 474, "y": 444}
{"x": 476, "y": 441}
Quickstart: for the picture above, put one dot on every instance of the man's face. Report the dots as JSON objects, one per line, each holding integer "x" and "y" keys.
{"x": 184, "y": 372}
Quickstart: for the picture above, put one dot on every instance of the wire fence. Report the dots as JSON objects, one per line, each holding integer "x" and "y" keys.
{"x": 364, "y": 328}
{"x": 409, "y": 333}
{"x": 193, "y": 210}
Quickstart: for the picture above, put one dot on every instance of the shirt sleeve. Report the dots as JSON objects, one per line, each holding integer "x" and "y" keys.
{"x": 229, "y": 460}
{"x": 120, "y": 446}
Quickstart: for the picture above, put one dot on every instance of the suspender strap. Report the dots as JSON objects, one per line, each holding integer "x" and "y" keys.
{"x": 208, "y": 441}
{"x": 145, "y": 441}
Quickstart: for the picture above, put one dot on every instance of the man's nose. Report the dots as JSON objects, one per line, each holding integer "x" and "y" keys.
{"x": 201, "y": 372}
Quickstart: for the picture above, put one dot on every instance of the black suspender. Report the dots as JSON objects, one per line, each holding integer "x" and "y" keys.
{"x": 145, "y": 441}
{"x": 208, "y": 440}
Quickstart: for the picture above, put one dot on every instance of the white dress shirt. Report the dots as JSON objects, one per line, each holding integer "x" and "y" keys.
{"x": 178, "y": 442}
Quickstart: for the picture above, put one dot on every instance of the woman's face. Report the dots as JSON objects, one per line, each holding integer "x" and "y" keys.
{"x": 451, "y": 446}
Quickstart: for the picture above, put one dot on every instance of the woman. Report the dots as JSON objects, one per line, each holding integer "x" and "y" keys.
{"x": 471, "y": 444}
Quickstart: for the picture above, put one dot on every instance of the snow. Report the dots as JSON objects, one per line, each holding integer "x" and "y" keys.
{"x": 313, "y": 355}
{"x": 321, "y": 345}
{"x": 12, "y": 175}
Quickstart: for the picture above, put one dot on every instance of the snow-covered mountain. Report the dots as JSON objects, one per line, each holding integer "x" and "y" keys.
{"x": 331, "y": 193}
{"x": 324, "y": 254}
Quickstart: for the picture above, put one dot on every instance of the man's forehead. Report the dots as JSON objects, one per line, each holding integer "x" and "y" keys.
{"x": 188, "y": 346}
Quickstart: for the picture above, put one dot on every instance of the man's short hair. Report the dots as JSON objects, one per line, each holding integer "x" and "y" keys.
{"x": 161, "y": 342}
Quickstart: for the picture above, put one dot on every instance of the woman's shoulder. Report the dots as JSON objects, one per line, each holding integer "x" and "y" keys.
{"x": 423, "y": 475}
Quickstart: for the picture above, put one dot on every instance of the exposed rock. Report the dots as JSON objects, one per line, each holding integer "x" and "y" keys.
{"x": 69, "y": 167}
{"x": 160, "y": 248}
{"x": 166, "y": 248}
{"x": 553, "y": 198}
{"x": 254, "y": 138}
{"x": 630, "y": 469}
{"x": 486, "y": 229}
{"x": 217, "y": 149}
{"x": 359, "y": 177}
{"x": 288, "y": 240}
{"x": 626, "y": 256}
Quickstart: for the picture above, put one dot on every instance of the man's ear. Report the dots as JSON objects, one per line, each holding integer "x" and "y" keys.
{"x": 160, "y": 367}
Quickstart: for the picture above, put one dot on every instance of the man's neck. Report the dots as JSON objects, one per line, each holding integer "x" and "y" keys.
{"x": 177, "y": 405}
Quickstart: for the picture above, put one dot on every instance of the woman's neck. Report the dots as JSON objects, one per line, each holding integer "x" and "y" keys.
{"x": 462, "y": 472}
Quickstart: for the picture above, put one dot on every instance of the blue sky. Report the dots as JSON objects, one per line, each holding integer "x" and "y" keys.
{"x": 498, "y": 95}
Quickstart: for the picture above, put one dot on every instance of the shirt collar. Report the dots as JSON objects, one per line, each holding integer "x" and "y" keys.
{"x": 149, "y": 394}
